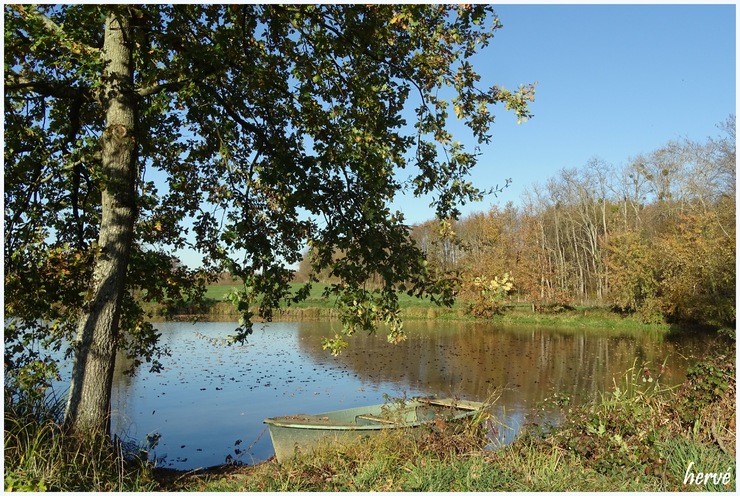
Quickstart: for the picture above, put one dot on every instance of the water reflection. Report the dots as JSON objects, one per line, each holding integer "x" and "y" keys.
{"x": 523, "y": 366}
{"x": 209, "y": 403}
{"x": 470, "y": 360}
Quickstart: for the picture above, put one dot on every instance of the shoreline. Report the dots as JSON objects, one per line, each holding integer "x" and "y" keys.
{"x": 685, "y": 431}
{"x": 579, "y": 317}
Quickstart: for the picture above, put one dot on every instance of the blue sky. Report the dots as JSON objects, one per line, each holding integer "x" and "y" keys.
{"x": 614, "y": 81}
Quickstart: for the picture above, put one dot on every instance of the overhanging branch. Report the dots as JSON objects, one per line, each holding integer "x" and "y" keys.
{"x": 159, "y": 88}
{"x": 15, "y": 83}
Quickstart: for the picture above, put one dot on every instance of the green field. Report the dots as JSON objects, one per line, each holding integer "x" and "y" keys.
{"x": 218, "y": 292}
{"x": 316, "y": 306}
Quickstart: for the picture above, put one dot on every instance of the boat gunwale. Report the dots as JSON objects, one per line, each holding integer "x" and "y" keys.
{"x": 310, "y": 421}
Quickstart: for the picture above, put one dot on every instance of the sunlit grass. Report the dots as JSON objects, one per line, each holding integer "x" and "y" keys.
{"x": 316, "y": 306}
{"x": 398, "y": 463}
{"x": 218, "y": 292}
{"x": 40, "y": 456}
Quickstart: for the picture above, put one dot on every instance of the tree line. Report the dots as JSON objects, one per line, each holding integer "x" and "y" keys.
{"x": 655, "y": 236}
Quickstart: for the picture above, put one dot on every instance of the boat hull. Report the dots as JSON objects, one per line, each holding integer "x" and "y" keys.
{"x": 301, "y": 433}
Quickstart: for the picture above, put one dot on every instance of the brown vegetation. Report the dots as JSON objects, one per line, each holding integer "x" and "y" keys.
{"x": 655, "y": 237}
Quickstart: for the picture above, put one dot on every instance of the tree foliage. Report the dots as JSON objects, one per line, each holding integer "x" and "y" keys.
{"x": 250, "y": 131}
{"x": 634, "y": 268}
{"x": 655, "y": 237}
{"x": 698, "y": 283}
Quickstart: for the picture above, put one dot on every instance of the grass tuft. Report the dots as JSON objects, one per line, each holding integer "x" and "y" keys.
{"x": 40, "y": 456}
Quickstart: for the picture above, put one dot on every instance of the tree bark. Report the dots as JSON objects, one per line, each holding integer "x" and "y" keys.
{"x": 88, "y": 404}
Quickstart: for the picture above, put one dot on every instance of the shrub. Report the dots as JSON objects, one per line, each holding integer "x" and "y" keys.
{"x": 706, "y": 383}
{"x": 620, "y": 431}
{"x": 489, "y": 295}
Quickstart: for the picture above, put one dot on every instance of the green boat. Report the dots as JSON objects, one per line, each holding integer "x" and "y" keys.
{"x": 301, "y": 432}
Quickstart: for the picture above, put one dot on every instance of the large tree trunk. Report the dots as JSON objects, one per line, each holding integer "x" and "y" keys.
{"x": 88, "y": 404}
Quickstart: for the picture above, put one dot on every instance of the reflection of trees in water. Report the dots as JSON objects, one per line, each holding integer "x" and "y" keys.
{"x": 470, "y": 360}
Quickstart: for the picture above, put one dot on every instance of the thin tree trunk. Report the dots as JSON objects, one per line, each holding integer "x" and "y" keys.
{"x": 88, "y": 404}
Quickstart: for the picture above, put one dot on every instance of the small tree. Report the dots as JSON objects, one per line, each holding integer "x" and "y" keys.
{"x": 489, "y": 295}
{"x": 635, "y": 281}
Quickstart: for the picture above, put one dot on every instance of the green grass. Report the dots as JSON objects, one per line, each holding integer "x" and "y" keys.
{"x": 218, "y": 292}
{"x": 40, "y": 456}
{"x": 316, "y": 306}
{"x": 580, "y": 317}
{"x": 397, "y": 463}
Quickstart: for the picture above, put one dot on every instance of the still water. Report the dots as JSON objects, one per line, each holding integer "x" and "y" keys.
{"x": 207, "y": 406}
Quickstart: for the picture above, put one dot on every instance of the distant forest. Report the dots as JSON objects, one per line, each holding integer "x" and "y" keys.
{"x": 654, "y": 237}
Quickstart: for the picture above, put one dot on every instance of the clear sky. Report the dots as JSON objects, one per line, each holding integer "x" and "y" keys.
{"x": 614, "y": 81}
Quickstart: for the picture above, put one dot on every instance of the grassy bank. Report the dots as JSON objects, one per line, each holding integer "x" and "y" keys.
{"x": 638, "y": 437}
{"x": 40, "y": 456}
{"x": 317, "y": 307}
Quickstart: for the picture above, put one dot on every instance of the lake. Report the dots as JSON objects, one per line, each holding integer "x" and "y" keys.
{"x": 207, "y": 406}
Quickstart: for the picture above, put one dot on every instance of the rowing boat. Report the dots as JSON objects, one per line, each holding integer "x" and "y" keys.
{"x": 301, "y": 432}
